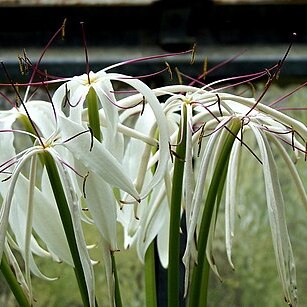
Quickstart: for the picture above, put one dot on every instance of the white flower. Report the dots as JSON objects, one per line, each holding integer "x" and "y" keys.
{"x": 209, "y": 113}
{"x": 53, "y": 135}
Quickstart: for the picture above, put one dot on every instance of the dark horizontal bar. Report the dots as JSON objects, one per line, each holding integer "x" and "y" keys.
{"x": 66, "y": 62}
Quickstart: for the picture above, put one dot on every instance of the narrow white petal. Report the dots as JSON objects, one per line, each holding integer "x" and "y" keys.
{"x": 15, "y": 265}
{"x": 189, "y": 180}
{"x": 103, "y": 207}
{"x": 152, "y": 219}
{"x": 163, "y": 240}
{"x": 190, "y": 254}
{"x": 7, "y": 142}
{"x": 97, "y": 159}
{"x": 50, "y": 230}
{"x": 107, "y": 262}
{"x": 293, "y": 171}
{"x": 209, "y": 247}
{"x": 6, "y": 206}
{"x": 154, "y": 103}
{"x": 280, "y": 236}
{"x": 231, "y": 197}
{"x": 74, "y": 207}
{"x": 19, "y": 224}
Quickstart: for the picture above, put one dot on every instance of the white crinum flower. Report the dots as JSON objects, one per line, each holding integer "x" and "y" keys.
{"x": 208, "y": 112}
{"x": 54, "y": 134}
{"x": 268, "y": 127}
{"x": 76, "y": 90}
{"x": 77, "y": 94}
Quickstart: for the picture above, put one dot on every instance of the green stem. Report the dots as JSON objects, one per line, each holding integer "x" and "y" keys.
{"x": 13, "y": 283}
{"x": 118, "y": 300}
{"x": 200, "y": 275}
{"x": 63, "y": 208}
{"x": 93, "y": 113}
{"x": 150, "y": 276}
{"x": 94, "y": 123}
{"x": 174, "y": 231}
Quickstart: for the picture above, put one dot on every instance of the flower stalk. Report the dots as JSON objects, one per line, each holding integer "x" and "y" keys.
{"x": 94, "y": 124}
{"x": 150, "y": 276}
{"x": 65, "y": 214}
{"x": 13, "y": 283}
{"x": 175, "y": 214}
{"x": 93, "y": 114}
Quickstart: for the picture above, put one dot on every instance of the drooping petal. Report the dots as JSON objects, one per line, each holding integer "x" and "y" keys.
{"x": 7, "y": 120}
{"x": 49, "y": 230}
{"x": 275, "y": 202}
{"x": 163, "y": 240}
{"x": 293, "y": 171}
{"x": 18, "y": 273}
{"x": 107, "y": 261}
{"x": 18, "y": 223}
{"x": 103, "y": 208}
{"x": 162, "y": 127}
{"x": 96, "y": 158}
{"x": 6, "y": 206}
{"x": 152, "y": 219}
{"x": 231, "y": 197}
{"x": 74, "y": 207}
{"x": 189, "y": 180}
{"x": 209, "y": 247}
{"x": 190, "y": 254}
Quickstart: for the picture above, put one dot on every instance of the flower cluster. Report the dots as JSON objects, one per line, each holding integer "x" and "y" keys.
{"x": 144, "y": 157}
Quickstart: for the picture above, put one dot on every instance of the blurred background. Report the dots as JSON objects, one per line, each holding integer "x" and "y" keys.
{"x": 235, "y": 37}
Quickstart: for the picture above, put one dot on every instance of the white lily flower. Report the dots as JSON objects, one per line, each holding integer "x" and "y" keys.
{"x": 77, "y": 93}
{"x": 54, "y": 135}
{"x": 208, "y": 113}
{"x": 266, "y": 124}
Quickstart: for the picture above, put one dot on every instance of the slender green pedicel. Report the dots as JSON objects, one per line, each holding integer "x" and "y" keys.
{"x": 174, "y": 234}
{"x": 63, "y": 208}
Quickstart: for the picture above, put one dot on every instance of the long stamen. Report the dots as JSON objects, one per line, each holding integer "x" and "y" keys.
{"x": 167, "y": 68}
{"x": 207, "y": 71}
{"x": 23, "y": 104}
{"x": 13, "y": 104}
{"x": 80, "y": 133}
{"x": 86, "y": 53}
{"x": 146, "y": 58}
{"x": 287, "y": 95}
{"x": 273, "y": 77}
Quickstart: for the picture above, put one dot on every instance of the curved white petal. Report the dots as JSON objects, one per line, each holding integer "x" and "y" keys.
{"x": 281, "y": 241}
{"x": 97, "y": 159}
{"x": 293, "y": 171}
{"x": 46, "y": 219}
{"x": 152, "y": 219}
{"x": 103, "y": 208}
{"x": 74, "y": 207}
{"x": 6, "y": 141}
{"x": 162, "y": 126}
{"x": 6, "y": 206}
{"x": 231, "y": 197}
